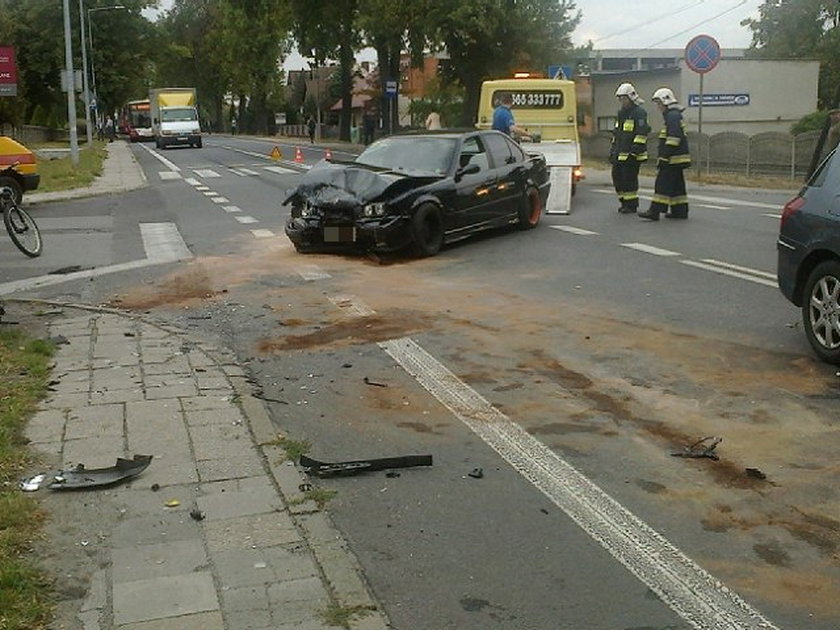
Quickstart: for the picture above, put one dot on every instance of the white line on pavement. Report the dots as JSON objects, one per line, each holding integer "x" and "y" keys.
{"x": 695, "y": 595}
{"x": 170, "y": 165}
{"x": 572, "y": 230}
{"x": 352, "y": 305}
{"x": 169, "y": 175}
{"x": 706, "y": 198}
{"x": 219, "y": 199}
{"x": 279, "y": 169}
{"x": 206, "y": 173}
{"x": 162, "y": 241}
{"x": 192, "y": 181}
{"x": 210, "y": 193}
{"x": 771, "y": 215}
{"x": 244, "y": 218}
{"x": 729, "y": 272}
{"x": 748, "y": 270}
{"x": 243, "y": 172}
{"x": 650, "y": 249}
{"x": 231, "y": 209}
{"x": 312, "y": 272}
{"x": 262, "y": 233}
{"x": 713, "y": 207}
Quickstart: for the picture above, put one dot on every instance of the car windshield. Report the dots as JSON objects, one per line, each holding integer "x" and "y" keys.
{"x": 426, "y": 156}
{"x": 178, "y": 114}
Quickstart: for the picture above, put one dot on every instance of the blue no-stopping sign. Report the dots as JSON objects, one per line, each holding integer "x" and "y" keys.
{"x": 702, "y": 54}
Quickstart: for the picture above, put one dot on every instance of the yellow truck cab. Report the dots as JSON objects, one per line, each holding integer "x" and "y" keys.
{"x": 547, "y": 108}
{"x": 23, "y": 174}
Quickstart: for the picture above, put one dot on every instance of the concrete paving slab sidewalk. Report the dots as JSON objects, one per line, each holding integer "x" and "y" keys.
{"x": 215, "y": 533}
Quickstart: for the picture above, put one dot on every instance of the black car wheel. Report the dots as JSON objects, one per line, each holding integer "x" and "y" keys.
{"x": 12, "y": 184}
{"x": 530, "y": 209}
{"x": 427, "y": 228}
{"x": 821, "y": 310}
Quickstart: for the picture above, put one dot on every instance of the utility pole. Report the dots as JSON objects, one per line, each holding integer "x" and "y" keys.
{"x": 71, "y": 86}
{"x": 85, "y": 85}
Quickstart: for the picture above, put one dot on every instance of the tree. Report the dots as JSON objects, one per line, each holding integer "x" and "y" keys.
{"x": 489, "y": 39}
{"x": 800, "y": 29}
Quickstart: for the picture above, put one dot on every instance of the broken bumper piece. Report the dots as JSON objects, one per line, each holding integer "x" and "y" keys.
{"x": 80, "y": 477}
{"x": 335, "y": 469}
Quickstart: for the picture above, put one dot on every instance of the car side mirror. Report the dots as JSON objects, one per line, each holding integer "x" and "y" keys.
{"x": 469, "y": 169}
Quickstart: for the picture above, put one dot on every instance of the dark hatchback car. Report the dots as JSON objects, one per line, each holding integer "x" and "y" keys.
{"x": 417, "y": 192}
{"x": 809, "y": 257}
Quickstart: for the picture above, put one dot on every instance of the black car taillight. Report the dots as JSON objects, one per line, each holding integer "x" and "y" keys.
{"x": 791, "y": 207}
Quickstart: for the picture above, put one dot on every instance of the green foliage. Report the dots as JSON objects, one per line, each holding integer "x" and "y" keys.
{"x": 801, "y": 29}
{"x": 812, "y": 122}
{"x": 39, "y": 116}
{"x": 445, "y": 99}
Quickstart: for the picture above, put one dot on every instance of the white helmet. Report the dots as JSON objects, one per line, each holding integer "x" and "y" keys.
{"x": 627, "y": 89}
{"x": 665, "y": 96}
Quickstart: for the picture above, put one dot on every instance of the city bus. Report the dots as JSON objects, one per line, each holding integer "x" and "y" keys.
{"x": 135, "y": 120}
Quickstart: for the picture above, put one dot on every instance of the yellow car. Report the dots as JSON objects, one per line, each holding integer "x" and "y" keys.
{"x": 18, "y": 168}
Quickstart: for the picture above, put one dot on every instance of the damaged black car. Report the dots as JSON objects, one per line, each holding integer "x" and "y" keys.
{"x": 418, "y": 191}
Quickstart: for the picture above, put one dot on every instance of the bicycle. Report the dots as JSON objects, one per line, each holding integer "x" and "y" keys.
{"x": 19, "y": 224}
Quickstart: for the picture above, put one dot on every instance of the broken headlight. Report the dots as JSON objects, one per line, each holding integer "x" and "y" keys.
{"x": 375, "y": 209}
{"x": 304, "y": 210}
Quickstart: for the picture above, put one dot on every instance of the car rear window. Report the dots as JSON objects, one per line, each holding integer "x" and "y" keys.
{"x": 416, "y": 156}
{"x": 830, "y": 164}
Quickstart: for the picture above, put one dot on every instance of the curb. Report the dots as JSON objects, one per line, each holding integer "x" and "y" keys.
{"x": 339, "y": 567}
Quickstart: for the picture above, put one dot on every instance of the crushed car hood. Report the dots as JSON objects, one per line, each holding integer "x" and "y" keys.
{"x": 329, "y": 185}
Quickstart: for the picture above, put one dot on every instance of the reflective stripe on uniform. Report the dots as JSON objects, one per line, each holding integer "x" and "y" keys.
{"x": 640, "y": 140}
{"x": 672, "y": 141}
{"x": 629, "y": 125}
{"x": 680, "y": 159}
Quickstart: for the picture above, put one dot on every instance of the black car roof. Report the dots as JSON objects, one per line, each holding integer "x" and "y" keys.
{"x": 441, "y": 133}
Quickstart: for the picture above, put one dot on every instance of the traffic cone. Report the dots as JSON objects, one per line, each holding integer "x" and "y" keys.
{"x": 298, "y": 155}
{"x": 328, "y": 155}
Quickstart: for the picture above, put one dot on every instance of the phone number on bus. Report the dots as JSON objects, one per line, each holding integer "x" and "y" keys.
{"x": 533, "y": 99}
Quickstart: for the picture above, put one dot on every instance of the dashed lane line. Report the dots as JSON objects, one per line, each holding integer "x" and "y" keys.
{"x": 244, "y": 218}
{"x": 192, "y": 181}
{"x": 692, "y": 593}
{"x": 243, "y": 172}
{"x": 206, "y": 173}
{"x": 573, "y": 230}
{"x": 231, "y": 209}
{"x": 165, "y": 175}
{"x": 219, "y": 199}
{"x": 262, "y": 233}
{"x": 650, "y": 249}
{"x": 352, "y": 304}
{"x": 704, "y": 198}
{"x": 312, "y": 272}
{"x": 162, "y": 241}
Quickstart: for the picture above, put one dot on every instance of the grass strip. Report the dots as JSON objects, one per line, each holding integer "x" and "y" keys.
{"x": 62, "y": 174}
{"x": 24, "y": 589}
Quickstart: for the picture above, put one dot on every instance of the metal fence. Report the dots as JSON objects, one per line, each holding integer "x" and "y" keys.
{"x": 772, "y": 153}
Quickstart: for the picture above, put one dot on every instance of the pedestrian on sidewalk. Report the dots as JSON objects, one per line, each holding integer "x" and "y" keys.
{"x": 628, "y": 148}
{"x": 433, "y": 121}
{"x": 311, "y": 125}
{"x": 368, "y": 128}
{"x": 669, "y": 195}
{"x": 109, "y": 128}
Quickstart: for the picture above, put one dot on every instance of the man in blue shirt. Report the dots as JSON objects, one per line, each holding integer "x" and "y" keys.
{"x": 503, "y": 119}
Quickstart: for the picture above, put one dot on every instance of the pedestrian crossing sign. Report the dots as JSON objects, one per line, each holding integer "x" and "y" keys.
{"x": 275, "y": 153}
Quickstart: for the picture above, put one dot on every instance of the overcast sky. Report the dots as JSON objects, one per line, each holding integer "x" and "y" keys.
{"x": 658, "y": 24}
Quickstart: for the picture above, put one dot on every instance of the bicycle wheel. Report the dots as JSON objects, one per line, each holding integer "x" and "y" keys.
{"x": 22, "y": 230}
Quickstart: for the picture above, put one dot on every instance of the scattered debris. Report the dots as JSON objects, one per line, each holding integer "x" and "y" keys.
{"x": 155, "y": 487}
{"x": 55, "y": 311}
{"x": 261, "y": 395}
{"x": 80, "y": 477}
{"x": 196, "y": 514}
{"x": 198, "y": 316}
{"x": 374, "y": 383}
{"x": 329, "y": 469}
{"x": 704, "y": 447}
{"x": 305, "y": 487}
{"x": 392, "y": 474}
{"x": 755, "y": 473}
{"x": 172, "y": 503}
{"x": 58, "y": 340}
{"x": 346, "y": 365}
{"x": 31, "y": 484}
{"x": 476, "y": 473}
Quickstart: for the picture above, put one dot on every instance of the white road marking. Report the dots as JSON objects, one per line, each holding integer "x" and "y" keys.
{"x": 169, "y": 175}
{"x": 573, "y": 230}
{"x": 730, "y": 272}
{"x": 28, "y": 284}
{"x": 771, "y": 215}
{"x": 692, "y": 593}
{"x": 231, "y": 209}
{"x": 244, "y": 218}
{"x": 352, "y": 305}
{"x": 312, "y": 272}
{"x": 713, "y": 207}
{"x": 162, "y": 241}
{"x": 211, "y": 193}
{"x": 219, "y": 199}
{"x": 170, "y": 165}
{"x": 262, "y": 233}
{"x": 279, "y": 169}
{"x": 650, "y": 249}
{"x": 263, "y": 156}
{"x": 243, "y": 172}
{"x": 206, "y": 173}
{"x": 192, "y": 181}
{"x": 747, "y": 270}
{"x": 202, "y": 187}
{"x": 706, "y": 198}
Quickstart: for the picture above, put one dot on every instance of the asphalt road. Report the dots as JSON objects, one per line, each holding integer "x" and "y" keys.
{"x": 584, "y": 352}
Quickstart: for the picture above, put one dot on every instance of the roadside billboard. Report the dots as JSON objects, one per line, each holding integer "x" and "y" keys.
{"x": 8, "y": 71}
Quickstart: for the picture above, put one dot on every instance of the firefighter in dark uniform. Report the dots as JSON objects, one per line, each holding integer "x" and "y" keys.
{"x": 669, "y": 196}
{"x": 629, "y": 147}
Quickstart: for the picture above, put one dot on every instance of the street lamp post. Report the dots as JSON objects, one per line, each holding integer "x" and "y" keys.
{"x": 71, "y": 86}
{"x": 85, "y": 85}
{"x": 114, "y": 7}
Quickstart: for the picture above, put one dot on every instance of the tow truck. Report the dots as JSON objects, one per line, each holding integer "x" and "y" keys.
{"x": 547, "y": 108}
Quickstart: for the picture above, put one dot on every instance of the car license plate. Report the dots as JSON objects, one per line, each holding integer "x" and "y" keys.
{"x": 183, "y": 138}
{"x": 340, "y": 234}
